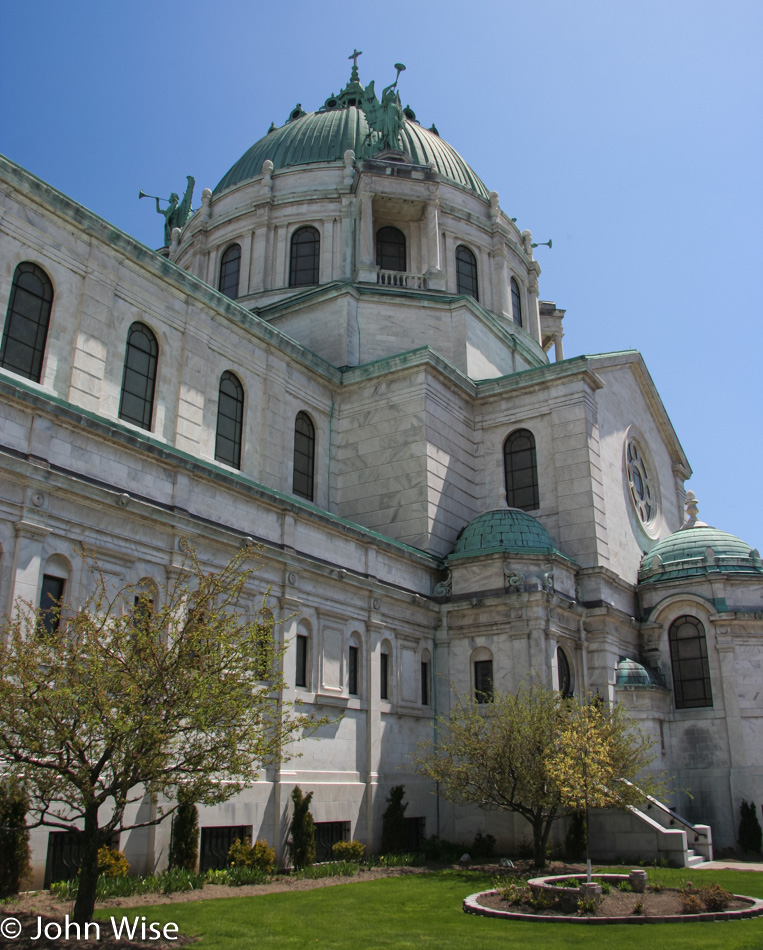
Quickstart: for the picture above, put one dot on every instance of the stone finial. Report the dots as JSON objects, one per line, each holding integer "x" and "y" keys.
{"x": 527, "y": 242}
{"x": 206, "y": 204}
{"x": 349, "y": 163}
{"x": 267, "y": 175}
{"x": 494, "y": 208}
{"x": 692, "y": 512}
{"x": 174, "y": 242}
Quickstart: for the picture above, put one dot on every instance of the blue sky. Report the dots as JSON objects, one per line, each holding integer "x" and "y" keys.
{"x": 630, "y": 133}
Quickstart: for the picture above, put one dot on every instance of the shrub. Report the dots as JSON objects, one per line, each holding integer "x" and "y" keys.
{"x": 575, "y": 839}
{"x": 242, "y": 854}
{"x": 691, "y": 904}
{"x": 750, "y": 834}
{"x": 14, "y": 837}
{"x": 656, "y": 888}
{"x": 542, "y": 899}
{"x": 715, "y": 897}
{"x": 438, "y": 849}
{"x": 112, "y": 863}
{"x": 525, "y": 850}
{"x": 302, "y": 830}
{"x": 348, "y": 850}
{"x": 239, "y": 876}
{"x": 184, "y": 838}
{"x": 638, "y": 907}
{"x": 513, "y": 890}
{"x": 587, "y": 905}
{"x": 393, "y": 821}
{"x": 624, "y": 886}
{"x": 606, "y": 887}
{"x": 483, "y": 846}
{"x": 332, "y": 869}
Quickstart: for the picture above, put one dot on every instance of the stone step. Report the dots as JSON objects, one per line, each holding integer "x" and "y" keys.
{"x": 692, "y": 859}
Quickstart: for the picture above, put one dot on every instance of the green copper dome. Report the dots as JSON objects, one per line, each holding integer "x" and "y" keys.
{"x": 631, "y": 674}
{"x": 505, "y": 529}
{"x": 325, "y": 135}
{"x": 698, "y": 549}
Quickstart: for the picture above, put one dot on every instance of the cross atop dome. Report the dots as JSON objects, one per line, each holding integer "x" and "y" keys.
{"x": 354, "y": 57}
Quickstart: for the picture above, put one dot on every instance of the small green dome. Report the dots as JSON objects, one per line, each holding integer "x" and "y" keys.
{"x": 504, "y": 529}
{"x": 698, "y": 549}
{"x": 325, "y": 136}
{"x": 632, "y": 674}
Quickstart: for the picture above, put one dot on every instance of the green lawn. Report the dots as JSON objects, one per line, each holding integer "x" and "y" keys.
{"x": 424, "y": 911}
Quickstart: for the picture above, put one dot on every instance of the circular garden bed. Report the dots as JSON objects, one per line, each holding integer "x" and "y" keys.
{"x": 611, "y": 899}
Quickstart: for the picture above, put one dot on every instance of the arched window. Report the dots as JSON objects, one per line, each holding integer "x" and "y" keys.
{"x": 688, "y": 658}
{"x": 565, "y": 683}
{"x": 466, "y": 272}
{"x": 230, "y": 414}
{"x": 137, "y": 402}
{"x": 385, "y": 671}
{"x": 516, "y": 303}
{"x": 521, "y": 470}
{"x": 353, "y": 666}
{"x": 26, "y": 322}
{"x": 305, "y": 257}
{"x": 303, "y": 659}
{"x": 304, "y": 456}
{"x": 390, "y": 249}
{"x": 230, "y": 267}
{"x": 426, "y": 678}
{"x": 482, "y": 667}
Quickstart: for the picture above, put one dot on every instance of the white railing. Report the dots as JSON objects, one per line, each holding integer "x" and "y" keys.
{"x": 398, "y": 278}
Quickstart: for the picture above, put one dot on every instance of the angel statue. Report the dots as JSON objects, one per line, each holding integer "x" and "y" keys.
{"x": 178, "y": 212}
{"x": 385, "y": 117}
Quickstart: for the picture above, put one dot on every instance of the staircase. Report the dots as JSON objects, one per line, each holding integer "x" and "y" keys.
{"x": 650, "y": 831}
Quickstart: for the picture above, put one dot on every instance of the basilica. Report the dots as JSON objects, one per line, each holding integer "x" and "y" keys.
{"x": 343, "y": 353}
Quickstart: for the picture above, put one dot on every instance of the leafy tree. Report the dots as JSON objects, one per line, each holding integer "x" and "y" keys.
{"x": 576, "y": 839}
{"x": 133, "y": 698}
{"x": 302, "y": 830}
{"x": 537, "y": 754}
{"x": 14, "y": 837}
{"x": 393, "y": 821}
{"x": 750, "y": 834}
{"x": 184, "y": 840}
{"x": 597, "y": 755}
{"x": 496, "y": 756}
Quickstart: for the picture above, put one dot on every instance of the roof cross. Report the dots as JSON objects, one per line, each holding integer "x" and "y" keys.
{"x": 354, "y": 57}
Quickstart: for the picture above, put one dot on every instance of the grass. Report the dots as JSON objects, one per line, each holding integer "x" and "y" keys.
{"x": 424, "y": 911}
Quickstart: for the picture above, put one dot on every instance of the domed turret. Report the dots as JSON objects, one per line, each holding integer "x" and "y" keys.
{"x": 342, "y": 123}
{"x": 504, "y": 529}
{"x": 697, "y": 548}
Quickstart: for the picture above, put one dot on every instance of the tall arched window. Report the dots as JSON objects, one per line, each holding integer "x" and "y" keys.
{"x": 564, "y": 674}
{"x": 305, "y": 257}
{"x": 230, "y": 414}
{"x": 516, "y": 303}
{"x": 26, "y": 322}
{"x": 390, "y": 249}
{"x": 521, "y": 470}
{"x": 304, "y": 456}
{"x": 230, "y": 268}
{"x": 137, "y": 402}
{"x": 466, "y": 272}
{"x": 688, "y": 659}
{"x": 482, "y": 670}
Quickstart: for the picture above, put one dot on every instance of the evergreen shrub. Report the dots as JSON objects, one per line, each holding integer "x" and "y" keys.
{"x": 184, "y": 838}
{"x": 14, "y": 838}
{"x": 393, "y": 821}
{"x": 302, "y": 830}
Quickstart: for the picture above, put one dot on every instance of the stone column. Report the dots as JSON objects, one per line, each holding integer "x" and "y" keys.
{"x": 373, "y": 723}
{"x": 27, "y": 562}
{"x": 368, "y": 270}
{"x": 435, "y": 276}
{"x": 349, "y": 217}
{"x": 500, "y": 278}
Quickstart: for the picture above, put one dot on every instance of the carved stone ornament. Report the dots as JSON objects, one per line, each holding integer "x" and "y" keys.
{"x": 376, "y": 604}
{"x": 444, "y": 587}
{"x": 291, "y": 578}
{"x": 38, "y": 499}
{"x": 514, "y": 582}
{"x": 123, "y": 500}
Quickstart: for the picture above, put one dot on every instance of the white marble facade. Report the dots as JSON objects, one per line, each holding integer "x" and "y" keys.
{"x": 412, "y": 387}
